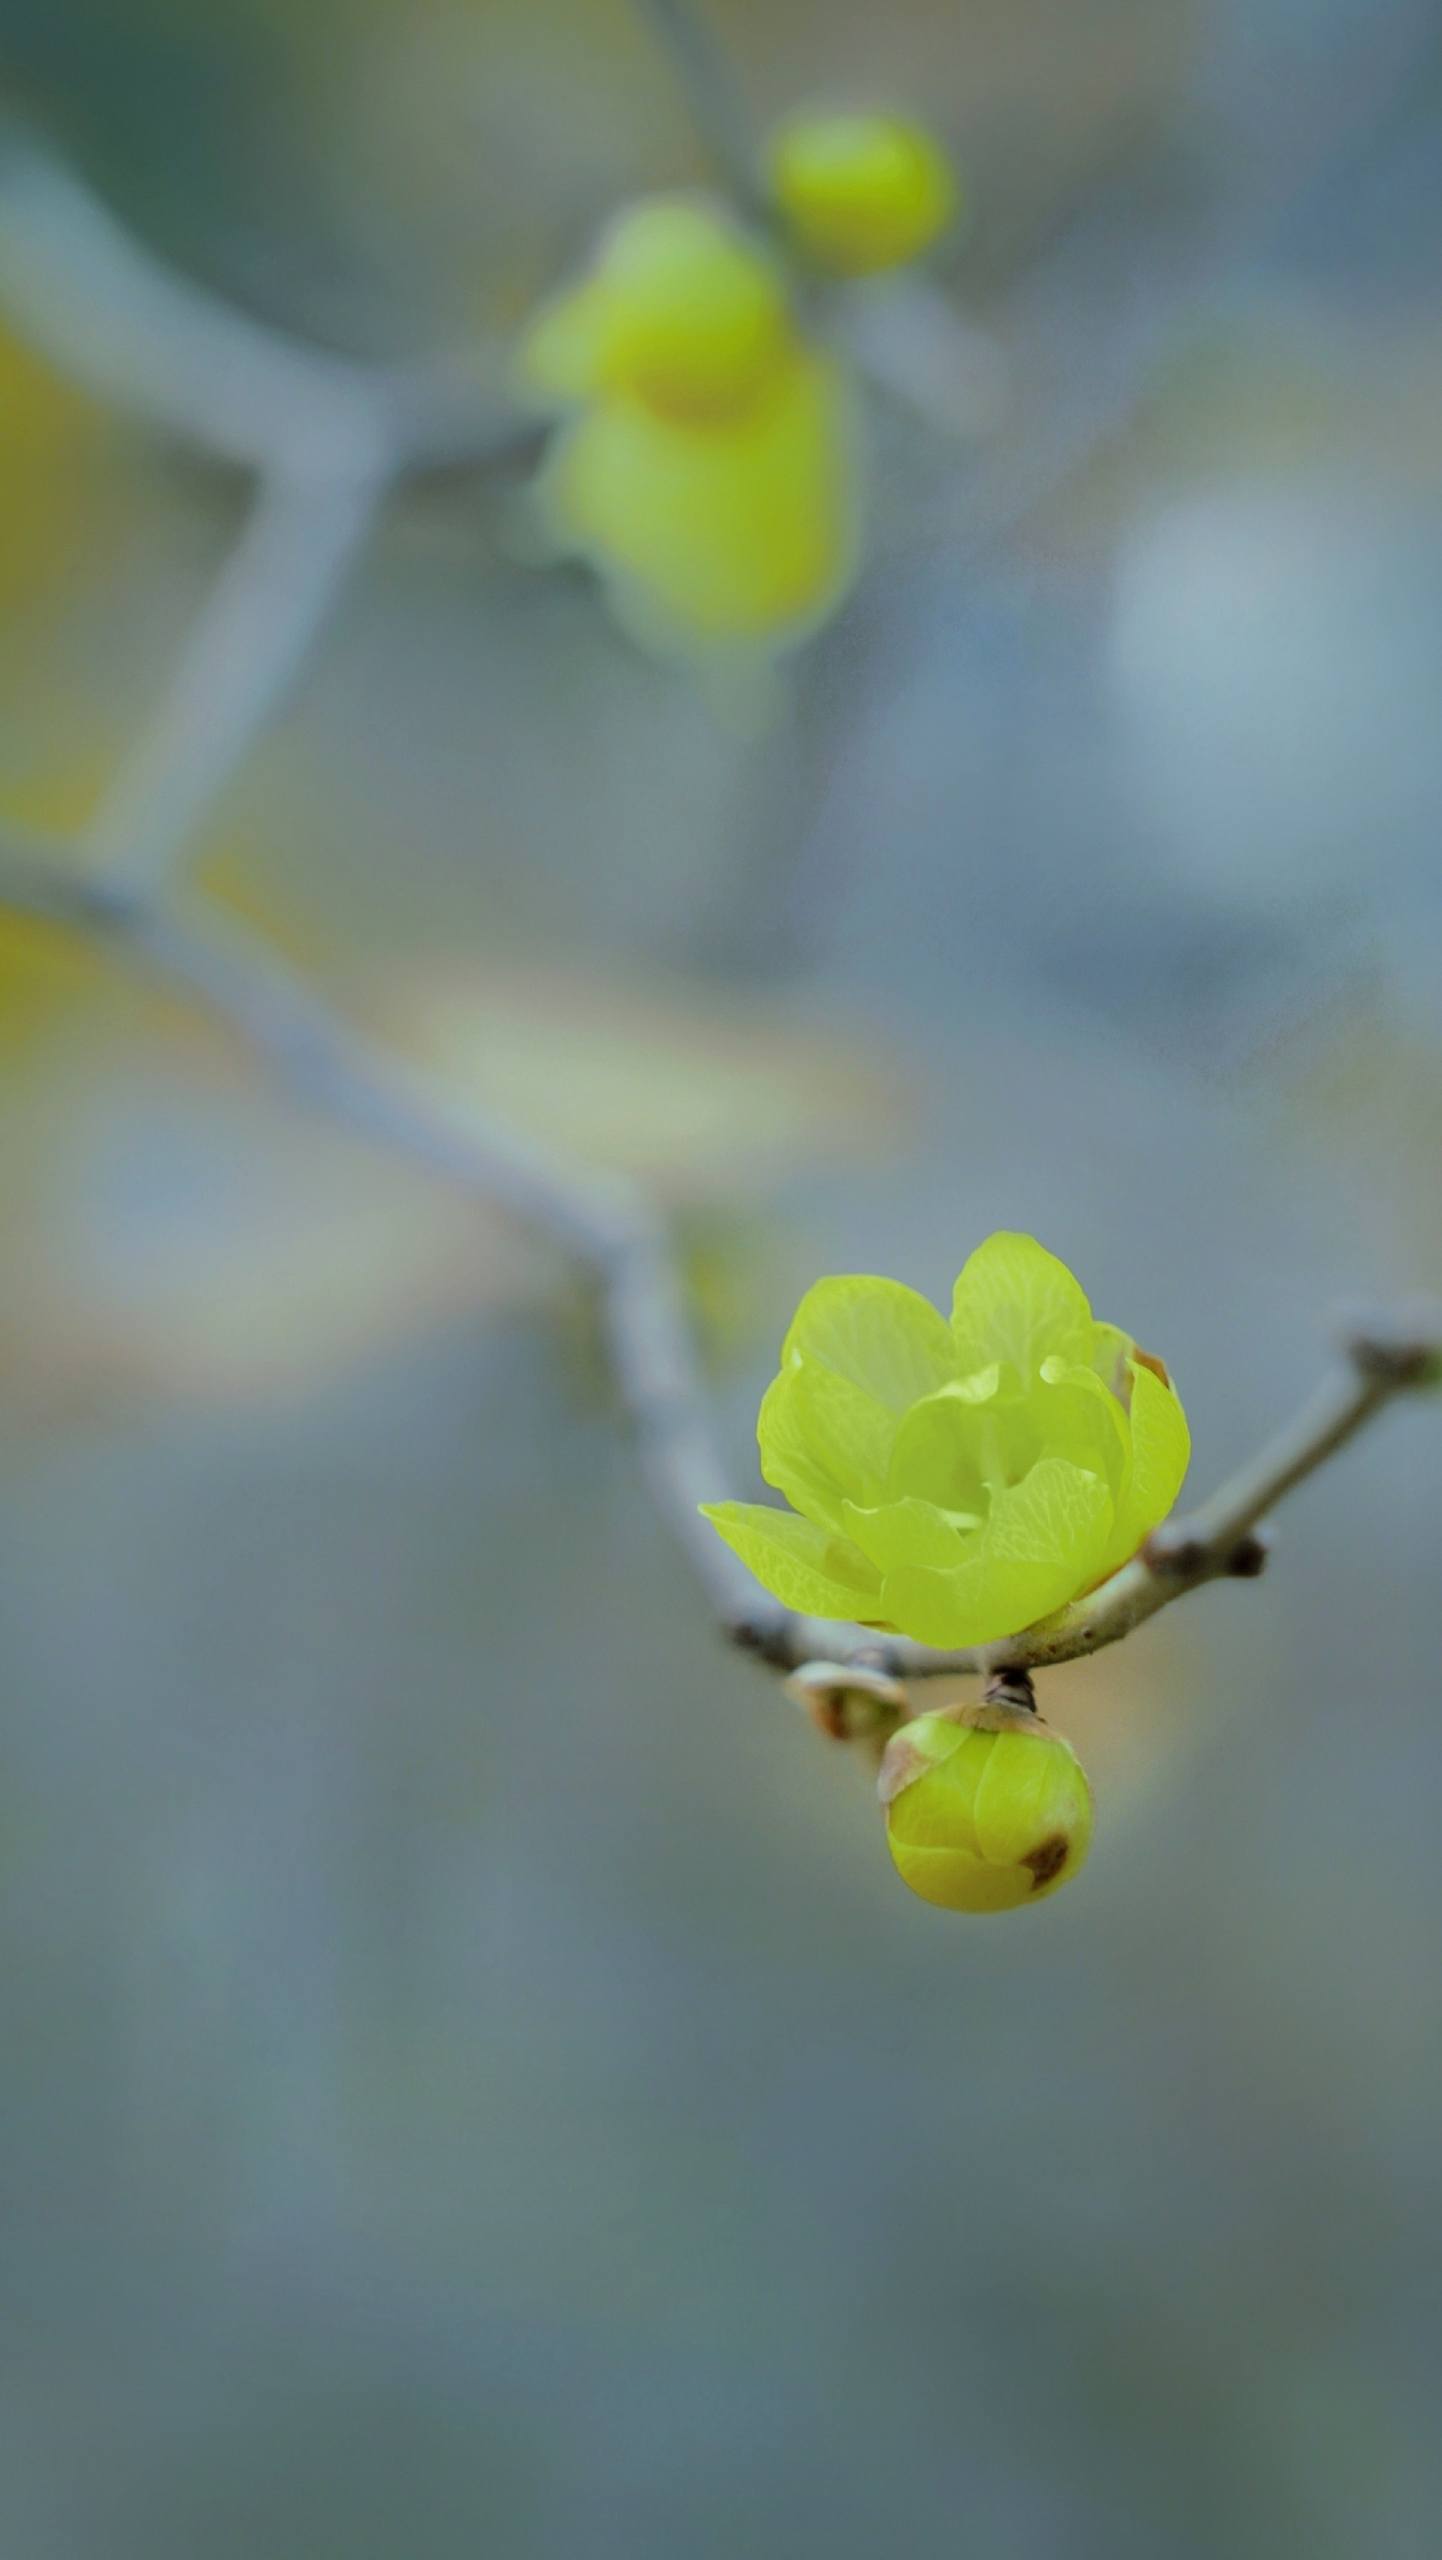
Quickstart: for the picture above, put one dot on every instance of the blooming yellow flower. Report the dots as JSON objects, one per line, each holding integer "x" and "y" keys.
{"x": 860, "y": 193}
{"x": 957, "y": 1481}
{"x": 986, "y": 1807}
{"x": 706, "y": 469}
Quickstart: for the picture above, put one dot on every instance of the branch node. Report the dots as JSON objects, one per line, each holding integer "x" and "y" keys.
{"x": 1249, "y": 1556}
{"x": 766, "y": 1633}
{"x": 1175, "y": 1551}
{"x": 1402, "y": 1352}
{"x": 1011, "y": 1689}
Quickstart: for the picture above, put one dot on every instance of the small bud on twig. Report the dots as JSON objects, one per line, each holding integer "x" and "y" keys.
{"x": 847, "y": 1701}
{"x": 986, "y": 1807}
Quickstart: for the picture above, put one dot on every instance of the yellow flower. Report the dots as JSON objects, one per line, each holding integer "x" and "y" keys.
{"x": 861, "y": 192}
{"x": 959, "y": 1481}
{"x": 707, "y": 468}
{"x": 986, "y": 1807}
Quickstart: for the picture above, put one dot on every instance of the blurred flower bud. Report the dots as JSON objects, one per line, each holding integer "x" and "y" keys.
{"x": 986, "y": 1807}
{"x": 681, "y": 312}
{"x": 705, "y": 466}
{"x": 861, "y": 192}
{"x": 739, "y": 534}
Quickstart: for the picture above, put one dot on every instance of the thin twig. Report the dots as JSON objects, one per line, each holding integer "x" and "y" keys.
{"x": 275, "y": 591}
{"x": 712, "y": 94}
{"x": 158, "y": 345}
{"x": 603, "y": 1222}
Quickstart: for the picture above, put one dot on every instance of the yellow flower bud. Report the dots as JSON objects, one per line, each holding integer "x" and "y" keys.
{"x": 739, "y": 533}
{"x": 681, "y": 312}
{"x": 861, "y": 192}
{"x": 986, "y": 1807}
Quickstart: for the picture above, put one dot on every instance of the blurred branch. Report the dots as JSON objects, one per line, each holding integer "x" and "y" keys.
{"x": 606, "y": 1224}
{"x": 272, "y": 597}
{"x": 139, "y": 334}
{"x": 712, "y": 94}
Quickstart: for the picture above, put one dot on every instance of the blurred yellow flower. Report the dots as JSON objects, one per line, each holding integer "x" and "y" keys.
{"x": 682, "y": 311}
{"x": 707, "y": 471}
{"x": 860, "y": 193}
{"x": 741, "y": 531}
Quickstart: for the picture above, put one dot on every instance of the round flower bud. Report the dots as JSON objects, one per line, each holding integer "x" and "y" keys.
{"x": 693, "y": 314}
{"x": 861, "y": 192}
{"x": 986, "y": 1807}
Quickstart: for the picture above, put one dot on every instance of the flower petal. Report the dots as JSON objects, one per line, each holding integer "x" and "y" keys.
{"x": 1110, "y": 1356}
{"x": 822, "y": 1441}
{"x": 804, "y": 1568}
{"x": 1043, "y": 1543}
{"x": 1161, "y": 1448}
{"x": 904, "y": 1533}
{"x": 1015, "y": 1301}
{"x": 939, "y": 1453}
{"x": 884, "y": 1337}
{"x": 1079, "y": 1417}
{"x": 1057, "y": 1520}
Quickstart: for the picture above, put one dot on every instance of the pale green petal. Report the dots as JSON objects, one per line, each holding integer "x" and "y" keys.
{"x": 884, "y": 1337}
{"x": 954, "y": 1446}
{"x": 822, "y": 1440}
{"x": 804, "y": 1568}
{"x": 1161, "y": 1448}
{"x": 903, "y": 1533}
{"x": 1161, "y": 1445}
{"x": 937, "y": 1608}
{"x": 983, "y": 1386}
{"x": 1059, "y": 1518}
{"x": 1078, "y": 1417}
{"x": 1015, "y": 1301}
{"x": 940, "y": 1452}
{"x": 1111, "y": 1350}
{"x": 1044, "y": 1543}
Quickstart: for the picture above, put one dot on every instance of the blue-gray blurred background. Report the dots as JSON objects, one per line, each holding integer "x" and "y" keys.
{"x": 471, "y": 2080}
